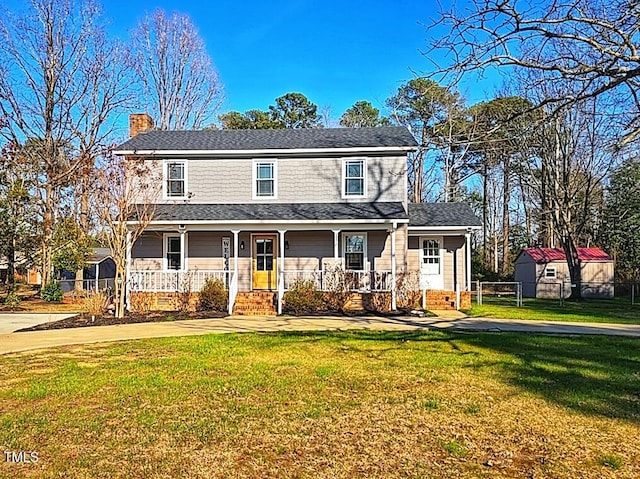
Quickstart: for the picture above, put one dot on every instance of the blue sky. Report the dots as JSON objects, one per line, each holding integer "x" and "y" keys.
{"x": 334, "y": 52}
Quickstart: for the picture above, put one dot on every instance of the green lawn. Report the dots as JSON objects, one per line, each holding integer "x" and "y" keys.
{"x": 343, "y": 405}
{"x": 619, "y": 310}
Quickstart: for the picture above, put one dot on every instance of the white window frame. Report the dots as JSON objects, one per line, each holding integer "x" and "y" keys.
{"x": 165, "y": 251}
{"x": 364, "y": 248}
{"x": 437, "y": 256}
{"x": 345, "y": 162}
{"x": 550, "y": 272}
{"x": 165, "y": 179}
{"x": 254, "y": 178}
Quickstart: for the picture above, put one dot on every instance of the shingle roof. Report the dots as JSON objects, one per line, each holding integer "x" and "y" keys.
{"x": 308, "y": 138}
{"x": 279, "y": 212}
{"x": 546, "y": 255}
{"x": 442, "y": 214}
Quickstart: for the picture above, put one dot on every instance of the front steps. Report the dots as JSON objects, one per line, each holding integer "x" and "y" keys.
{"x": 255, "y": 303}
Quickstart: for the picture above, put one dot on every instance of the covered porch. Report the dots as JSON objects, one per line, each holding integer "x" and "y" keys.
{"x": 363, "y": 256}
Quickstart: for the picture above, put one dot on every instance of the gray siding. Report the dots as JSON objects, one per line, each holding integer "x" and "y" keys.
{"x": 231, "y": 181}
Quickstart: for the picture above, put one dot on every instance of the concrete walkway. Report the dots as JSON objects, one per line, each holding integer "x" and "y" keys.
{"x": 33, "y": 340}
{"x": 10, "y": 322}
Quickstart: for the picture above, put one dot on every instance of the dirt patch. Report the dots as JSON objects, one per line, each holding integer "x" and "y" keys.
{"x": 84, "y": 320}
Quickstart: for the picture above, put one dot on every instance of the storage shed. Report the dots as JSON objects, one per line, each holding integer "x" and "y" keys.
{"x": 544, "y": 273}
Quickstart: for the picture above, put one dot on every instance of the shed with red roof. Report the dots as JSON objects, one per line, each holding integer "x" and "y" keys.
{"x": 544, "y": 273}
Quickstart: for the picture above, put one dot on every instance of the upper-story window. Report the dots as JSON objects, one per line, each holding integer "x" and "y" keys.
{"x": 354, "y": 179}
{"x": 264, "y": 179}
{"x": 175, "y": 179}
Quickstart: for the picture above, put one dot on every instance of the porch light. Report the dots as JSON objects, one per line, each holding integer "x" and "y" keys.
{"x": 241, "y": 244}
{"x": 286, "y": 245}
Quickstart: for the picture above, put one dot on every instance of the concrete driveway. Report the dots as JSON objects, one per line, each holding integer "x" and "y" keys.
{"x": 10, "y": 322}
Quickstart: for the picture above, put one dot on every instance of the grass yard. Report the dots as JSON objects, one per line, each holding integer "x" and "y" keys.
{"x": 618, "y": 310}
{"x": 326, "y": 405}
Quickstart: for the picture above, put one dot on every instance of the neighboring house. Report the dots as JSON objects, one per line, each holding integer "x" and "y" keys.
{"x": 262, "y": 208}
{"x": 98, "y": 274}
{"x": 544, "y": 273}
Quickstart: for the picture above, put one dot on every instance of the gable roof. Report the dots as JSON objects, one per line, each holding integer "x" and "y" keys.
{"x": 442, "y": 214}
{"x": 397, "y": 137}
{"x": 546, "y": 255}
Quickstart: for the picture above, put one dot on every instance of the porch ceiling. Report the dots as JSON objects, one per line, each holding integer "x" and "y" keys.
{"x": 280, "y": 212}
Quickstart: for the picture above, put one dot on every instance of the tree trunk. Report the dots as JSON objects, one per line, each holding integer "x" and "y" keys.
{"x": 485, "y": 214}
{"x": 506, "y": 199}
{"x": 575, "y": 271}
{"x": 47, "y": 235}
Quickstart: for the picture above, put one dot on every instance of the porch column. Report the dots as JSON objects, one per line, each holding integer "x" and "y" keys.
{"x": 182, "y": 231}
{"x": 127, "y": 273}
{"x": 97, "y": 277}
{"x": 280, "y": 269}
{"x": 336, "y": 251}
{"x": 467, "y": 249}
{"x": 393, "y": 267}
{"x": 235, "y": 268}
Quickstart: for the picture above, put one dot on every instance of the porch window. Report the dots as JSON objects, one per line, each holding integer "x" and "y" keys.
{"x": 173, "y": 253}
{"x": 354, "y": 178}
{"x": 264, "y": 179}
{"x": 175, "y": 174}
{"x": 431, "y": 255}
{"x": 355, "y": 251}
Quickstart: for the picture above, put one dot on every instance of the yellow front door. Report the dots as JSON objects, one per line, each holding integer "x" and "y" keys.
{"x": 264, "y": 262}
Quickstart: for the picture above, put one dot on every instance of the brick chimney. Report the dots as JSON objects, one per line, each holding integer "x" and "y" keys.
{"x": 139, "y": 123}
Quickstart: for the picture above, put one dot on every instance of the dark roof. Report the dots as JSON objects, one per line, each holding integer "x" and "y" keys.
{"x": 442, "y": 214}
{"x": 279, "y": 212}
{"x": 392, "y": 136}
{"x": 546, "y": 255}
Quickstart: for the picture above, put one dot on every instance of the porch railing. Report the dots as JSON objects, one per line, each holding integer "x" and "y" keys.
{"x": 324, "y": 280}
{"x": 351, "y": 280}
{"x": 171, "y": 281}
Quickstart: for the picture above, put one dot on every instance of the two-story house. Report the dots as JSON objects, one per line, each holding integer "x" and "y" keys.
{"x": 260, "y": 208}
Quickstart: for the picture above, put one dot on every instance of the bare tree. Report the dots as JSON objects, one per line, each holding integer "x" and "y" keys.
{"x": 56, "y": 92}
{"x": 182, "y": 89}
{"x": 420, "y": 105}
{"x": 126, "y": 194}
{"x": 591, "y": 44}
{"x": 574, "y": 155}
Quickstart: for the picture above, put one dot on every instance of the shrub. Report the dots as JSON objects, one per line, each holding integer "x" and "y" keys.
{"x": 339, "y": 284}
{"x": 142, "y": 302}
{"x": 213, "y": 296}
{"x": 12, "y": 300}
{"x": 52, "y": 292}
{"x": 95, "y": 304}
{"x": 303, "y": 298}
{"x": 408, "y": 290}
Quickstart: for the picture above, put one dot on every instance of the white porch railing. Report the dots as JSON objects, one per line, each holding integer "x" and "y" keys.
{"x": 171, "y": 281}
{"x": 352, "y": 280}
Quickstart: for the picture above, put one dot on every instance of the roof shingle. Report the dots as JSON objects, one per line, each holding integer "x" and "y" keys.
{"x": 279, "y": 212}
{"x": 442, "y": 214}
{"x": 307, "y": 138}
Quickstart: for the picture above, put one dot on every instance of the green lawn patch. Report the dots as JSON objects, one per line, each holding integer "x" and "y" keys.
{"x": 326, "y": 404}
{"x": 618, "y": 310}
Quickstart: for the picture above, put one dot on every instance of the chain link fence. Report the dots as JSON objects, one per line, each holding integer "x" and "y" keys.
{"x": 516, "y": 293}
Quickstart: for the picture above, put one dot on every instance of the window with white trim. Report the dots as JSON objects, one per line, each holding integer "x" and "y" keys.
{"x": 264, "y": 179}
{"x": 355, "y": 251}
{"x": 175, "y": 179}
{"x": 550, "y": 272}
{"x": 354, "y": 177}
{"x": 431, "y": 255}
{"x": 173, "y": 252}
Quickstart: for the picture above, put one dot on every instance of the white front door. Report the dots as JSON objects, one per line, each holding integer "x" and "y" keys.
{"x": 431, "y": 263}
